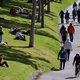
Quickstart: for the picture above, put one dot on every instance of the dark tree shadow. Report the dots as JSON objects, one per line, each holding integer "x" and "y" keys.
{"x": 44, "y": 33}
{"x": 70, "y": 77}
{"x": 54, "y": 69}
{"x": 57, "y": 1}
{"x": 19, "y": 56}
{"x": 51, "y": 15}
{"x": 14, "y": 23}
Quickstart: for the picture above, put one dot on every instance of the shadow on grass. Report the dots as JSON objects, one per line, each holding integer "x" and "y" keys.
{"x": 14, "y": 23}
{"x": 44, "y": 33}
{"x": 51, "y": 15}
{"x": 20, "y": 56}
{"x": 57, "y": 1}
{"x": 15, "y": 3}
{"x": 54, "y": 69}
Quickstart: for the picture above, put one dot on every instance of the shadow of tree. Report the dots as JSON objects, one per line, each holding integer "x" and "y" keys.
{"x": 44, "y": 33}
{"x": 15, "y": 3}
{"x": 70, "y": 77}
{"x": 51, "y": 15}
{"x": 57, "y": 1}
{"x": 54, "y": 69}
{"x": 20, "y": 56}
{"x": 13, "y": 23}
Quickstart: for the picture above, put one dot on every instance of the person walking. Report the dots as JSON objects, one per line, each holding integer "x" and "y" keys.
{"x": 78, "y": 14}
{"x": 74, "y": 14}
{"x": 62, "y": 56}
{"x": 68, "y": 47}
{"x": 71, "y": 31}
{"x": 74, "y": 5}
{"x": 62, "y": 16}
{"x": 63, "y": 33}
{"x": 67, "y": 17}
{"x": 76, "y": 61}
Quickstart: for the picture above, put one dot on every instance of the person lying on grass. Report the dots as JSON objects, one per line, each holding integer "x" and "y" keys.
{"x": 2, "y": 62}
{"x": 20, "y": 36}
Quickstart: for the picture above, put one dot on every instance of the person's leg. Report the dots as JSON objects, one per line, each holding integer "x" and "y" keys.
{"x": 64, "y": 63}
{"x": 68, "y": 52}
{"x": 76, "y": 70}
{"x": 62, "y": 20}
{"x": 71, "y": 37}
{"x": 0, "y": 38}
{"x": 60, "y": 64}
{"x": 5, "y": 63}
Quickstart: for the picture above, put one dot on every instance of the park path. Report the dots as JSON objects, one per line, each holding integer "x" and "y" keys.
{"x": 68, "y": 72}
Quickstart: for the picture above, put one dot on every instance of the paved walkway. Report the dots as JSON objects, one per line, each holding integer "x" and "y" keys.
{"x": 68, "y": 72}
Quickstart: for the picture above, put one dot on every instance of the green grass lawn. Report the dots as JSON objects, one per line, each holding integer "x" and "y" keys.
{"x": 24, "y": 61}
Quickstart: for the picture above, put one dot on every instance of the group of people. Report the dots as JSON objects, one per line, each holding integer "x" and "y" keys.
{"x": 21, "y": 10}
{"x": 64, "y": 53}
{"x": 76, "y": 11}
{"x": 19, "y": 33}
{"x": 75, "y": 14}
{"x": 64, "y": 15}
{"x": 64, "y": 32}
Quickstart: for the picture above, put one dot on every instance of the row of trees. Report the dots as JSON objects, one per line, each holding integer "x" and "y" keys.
{"x": 41, "y": 4}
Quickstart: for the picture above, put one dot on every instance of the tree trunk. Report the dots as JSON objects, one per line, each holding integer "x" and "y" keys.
{"x": 48, "y": 6}
{"x": 39, "y": 11}
{"x": 1, "y": 3}
{"x": 31, "y": 43}
{"x": 42, "y": 14}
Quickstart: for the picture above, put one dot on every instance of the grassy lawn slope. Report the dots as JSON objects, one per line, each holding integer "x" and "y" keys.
{"x": 24, "y": 61}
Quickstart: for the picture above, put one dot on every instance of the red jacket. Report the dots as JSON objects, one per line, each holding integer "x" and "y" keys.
{"x": 71, "y": 29}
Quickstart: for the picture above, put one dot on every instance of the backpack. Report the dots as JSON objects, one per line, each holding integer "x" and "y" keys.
{"x": 63, "y": 55}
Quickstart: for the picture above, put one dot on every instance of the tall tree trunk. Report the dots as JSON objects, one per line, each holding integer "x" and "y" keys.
{"x": 31, "y": 43}
{"x": 48, "y": 6}
{"x": 42, "y": 14}
{"x": 39, "y": 11}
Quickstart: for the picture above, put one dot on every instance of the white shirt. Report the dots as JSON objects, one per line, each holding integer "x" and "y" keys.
{"x": 68, "y": 45}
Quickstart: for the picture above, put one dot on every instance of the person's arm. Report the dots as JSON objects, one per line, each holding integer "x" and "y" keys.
{"x": 74, "y": 61}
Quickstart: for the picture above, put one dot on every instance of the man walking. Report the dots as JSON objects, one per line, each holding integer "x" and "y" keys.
{"x": 76, "y": 61}
{"x": 71, "y": 31}
{"x": 62, "y": 16}
{"x": 68, "y": 47}
{"x": 62, "y": 56}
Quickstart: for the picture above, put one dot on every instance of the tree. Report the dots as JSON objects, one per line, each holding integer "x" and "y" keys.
{"x": 48, "y": 6}
{"x": 31, "y": 43}
{"x": 39, "y": 11}
{"x": 42, "y": 14}
{"x": 1, "y": 3}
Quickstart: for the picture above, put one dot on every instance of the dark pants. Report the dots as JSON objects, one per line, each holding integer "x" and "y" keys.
{"x": 4, "y": 64}
{"x": 76, "y": 69}
{"x": 62, "y": 63}
{"x": 68, "y": 52}
{"x": 62, "y": 20}
{"x": 71, "y": 37}
{"x": 64, "y": 38}
{"x": 79, "y": 19}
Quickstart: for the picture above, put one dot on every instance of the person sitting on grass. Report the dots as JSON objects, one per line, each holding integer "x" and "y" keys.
{"x": 26, "y": 32}
{"x": 22, "y": 11}
{"x": 13, "y": 11}
{"x": 3, "y": 63}
{"x": 13, "y": 30}
{"x": 20, "y": 36}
